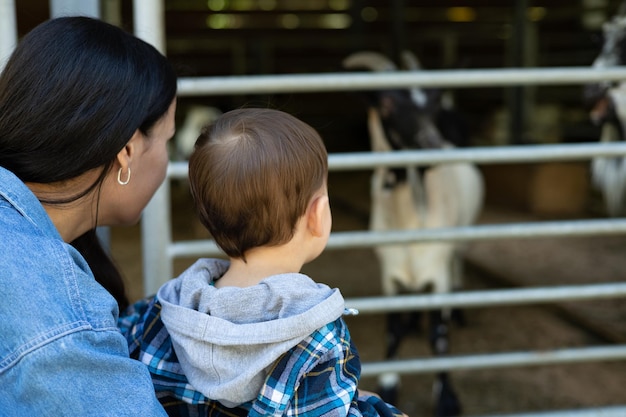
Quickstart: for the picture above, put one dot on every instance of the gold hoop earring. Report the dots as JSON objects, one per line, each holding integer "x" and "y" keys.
{"x": 119, "y": 177}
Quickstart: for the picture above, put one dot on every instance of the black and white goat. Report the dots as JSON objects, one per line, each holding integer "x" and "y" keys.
{"x": 443, "y": 195}
{"x": 608, "y": 110}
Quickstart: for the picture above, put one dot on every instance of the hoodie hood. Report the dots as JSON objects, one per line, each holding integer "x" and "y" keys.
{"x": 226, "y": 338}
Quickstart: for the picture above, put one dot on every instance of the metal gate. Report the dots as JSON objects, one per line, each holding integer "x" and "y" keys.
{"x": 159, "y": 250}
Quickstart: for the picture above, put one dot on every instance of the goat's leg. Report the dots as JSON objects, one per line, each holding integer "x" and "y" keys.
{"x": 398, "y": 326}
{"x": 446, "y": 401}
{"x": 457, "y": 271}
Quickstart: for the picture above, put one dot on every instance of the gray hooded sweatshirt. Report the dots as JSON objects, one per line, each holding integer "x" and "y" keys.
{"x": 226, "y": 338}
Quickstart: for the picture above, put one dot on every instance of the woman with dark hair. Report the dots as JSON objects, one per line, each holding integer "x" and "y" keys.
{"x": 86, "y": 111}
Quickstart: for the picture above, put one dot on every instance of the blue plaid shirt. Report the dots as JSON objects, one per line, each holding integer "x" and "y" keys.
{"x": 317, "y": 377}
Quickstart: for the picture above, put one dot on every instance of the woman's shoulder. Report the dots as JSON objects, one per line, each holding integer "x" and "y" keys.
{"x": 48, "y": 290}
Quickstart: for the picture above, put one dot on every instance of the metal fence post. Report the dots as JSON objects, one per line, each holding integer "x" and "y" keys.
{"x": 8, "y": 30}
{"x": 75, "y": 8}
{"x": 156, "y": 235}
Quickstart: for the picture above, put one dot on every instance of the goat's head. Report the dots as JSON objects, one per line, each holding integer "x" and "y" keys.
{"x": 613, "y": 53}
{"x": 407, "y": 116}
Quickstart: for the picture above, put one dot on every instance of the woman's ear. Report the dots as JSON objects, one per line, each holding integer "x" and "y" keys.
{"x": 128, "y": 152}
{"x": 315, "y": 215}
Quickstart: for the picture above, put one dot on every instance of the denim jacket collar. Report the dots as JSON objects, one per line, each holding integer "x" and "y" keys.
{"x": 17, "y": 194}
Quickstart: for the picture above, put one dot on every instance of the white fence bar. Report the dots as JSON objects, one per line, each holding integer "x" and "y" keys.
{"x": 149, "y": 24}
{"x": 495, "y": 360}
{"x": 355, "y": 81}
{"x": 8, "y": 30}
{"x": 364, "y": 239}
{"x": 155, "y": 234}
{"x": 569, "y": 228}
{"x": 479, "y": 155}
{"x": 60, "y": 8}
{"x": 616, "y": 411}
{"x": 487, "y": 298}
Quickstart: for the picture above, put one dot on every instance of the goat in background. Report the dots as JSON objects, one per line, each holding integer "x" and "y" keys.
{"x": 608, "y": 110}
{"x": 196, "y": 117}
{"x": 443, "y": 195}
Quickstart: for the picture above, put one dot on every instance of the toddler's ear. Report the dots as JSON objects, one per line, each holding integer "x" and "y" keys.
{"x": 315, "y": 215}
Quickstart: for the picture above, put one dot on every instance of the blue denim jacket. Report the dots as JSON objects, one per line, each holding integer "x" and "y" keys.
{"x": 61, "y": 353}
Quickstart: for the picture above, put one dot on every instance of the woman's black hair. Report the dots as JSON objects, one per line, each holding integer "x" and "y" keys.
{"x": 72, "y": 95}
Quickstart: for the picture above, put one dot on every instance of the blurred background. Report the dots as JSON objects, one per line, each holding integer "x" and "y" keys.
{"x": 239, "y": 37}
{"x": 255, "y": 37}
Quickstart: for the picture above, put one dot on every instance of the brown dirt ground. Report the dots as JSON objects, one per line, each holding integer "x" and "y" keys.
{"x": 532, "y": 262}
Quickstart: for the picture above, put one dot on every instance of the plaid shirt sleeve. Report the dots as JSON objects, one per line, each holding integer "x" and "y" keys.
{"x": 319, "y": 377}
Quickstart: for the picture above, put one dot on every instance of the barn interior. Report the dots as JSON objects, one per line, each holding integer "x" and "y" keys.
{"x": 255, "y": 37}
{"x": 241, "y": 37}
{"x": 245, "y": 37}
